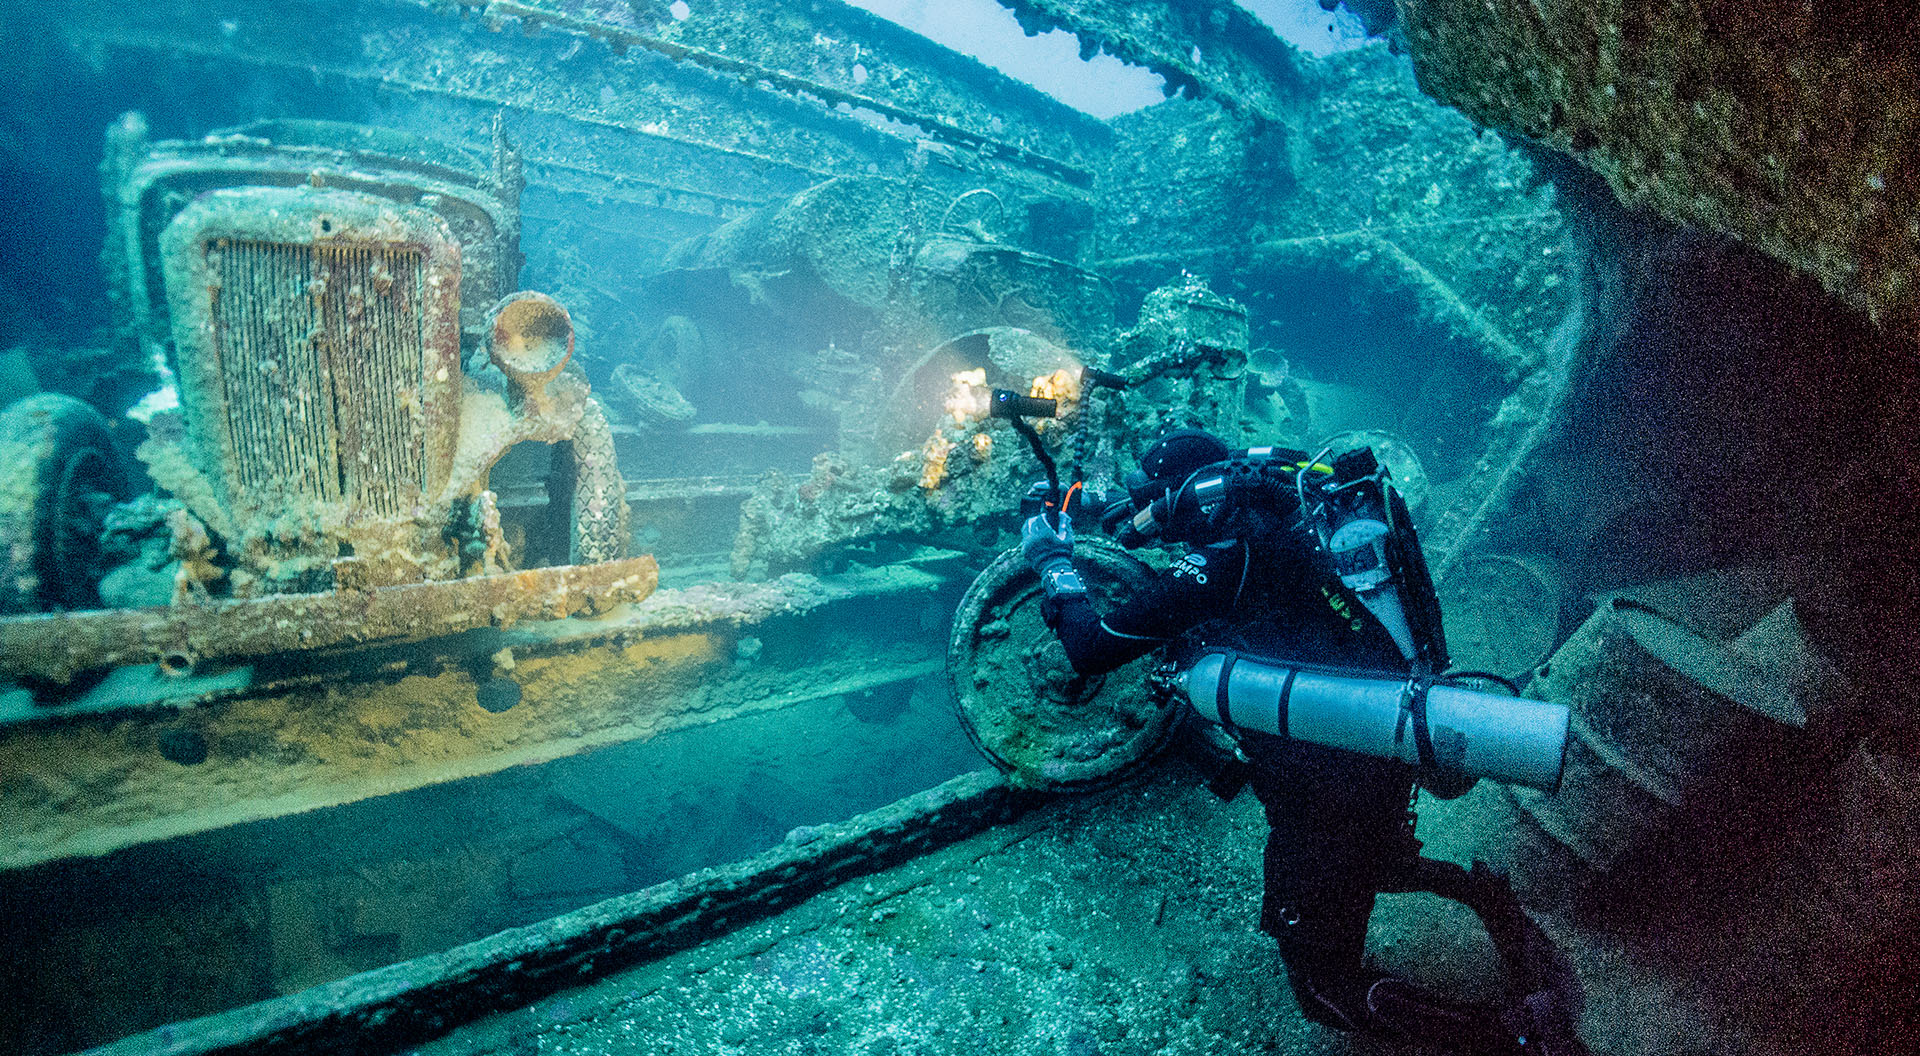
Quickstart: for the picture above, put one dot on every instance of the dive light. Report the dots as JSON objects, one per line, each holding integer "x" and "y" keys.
{"x": 1008, "y": 404}
{"x": 1439, "y": 727}
{"x": 1016, "y": 409}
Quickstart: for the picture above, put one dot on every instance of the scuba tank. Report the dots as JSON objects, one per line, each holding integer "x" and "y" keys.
{"x": 1441, "y": 728}
{"x": 1455, "y": 734}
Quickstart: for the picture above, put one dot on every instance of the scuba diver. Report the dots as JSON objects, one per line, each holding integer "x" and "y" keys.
{"x": 1289, "y": 558}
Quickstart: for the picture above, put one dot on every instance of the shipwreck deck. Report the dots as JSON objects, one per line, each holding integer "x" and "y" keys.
{"x": 1118, "y": 922}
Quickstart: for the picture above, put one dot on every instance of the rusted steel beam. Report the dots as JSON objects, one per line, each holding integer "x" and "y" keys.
{"x": 56, "y": 647}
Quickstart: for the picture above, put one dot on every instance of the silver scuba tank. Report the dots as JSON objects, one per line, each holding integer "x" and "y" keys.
{"x": 1442, "y": 727}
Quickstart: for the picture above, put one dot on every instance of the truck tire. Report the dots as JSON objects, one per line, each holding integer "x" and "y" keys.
{"x": 61, "y": 474}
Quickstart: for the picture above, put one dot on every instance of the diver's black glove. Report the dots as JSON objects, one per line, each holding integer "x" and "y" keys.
{"x": 1049, "y": 552}
{"x": 1043, "y": 545}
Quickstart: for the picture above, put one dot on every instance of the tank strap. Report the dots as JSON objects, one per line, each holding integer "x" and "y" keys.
{"x": 1417, "y": 710}
{"x": 1286, "y": 694}
{"x": 1222, "y": 700}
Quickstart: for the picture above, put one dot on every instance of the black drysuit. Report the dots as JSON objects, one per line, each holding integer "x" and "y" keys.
{"x": 1340, "y": 824}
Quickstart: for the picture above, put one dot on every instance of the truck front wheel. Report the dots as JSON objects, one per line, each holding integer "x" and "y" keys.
{"x": 60, "y": 476}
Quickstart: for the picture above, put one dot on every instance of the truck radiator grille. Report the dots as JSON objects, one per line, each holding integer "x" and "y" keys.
{"x": 321, "y": 355}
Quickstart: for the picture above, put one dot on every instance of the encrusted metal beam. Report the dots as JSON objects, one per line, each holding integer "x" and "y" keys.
{"x": 532, "y": 17}
{"x": 658, "y": 126}
{"x": 55, "y": 647}
{"x": 1212, "y": 49}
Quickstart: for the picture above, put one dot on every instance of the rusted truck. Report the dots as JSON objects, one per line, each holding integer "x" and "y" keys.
{"x": 333, "y": 308}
